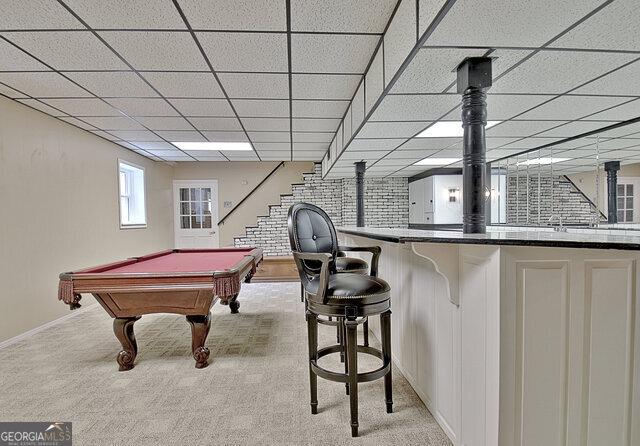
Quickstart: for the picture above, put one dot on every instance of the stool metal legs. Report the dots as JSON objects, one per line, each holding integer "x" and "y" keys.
{"x": 351, "y": 328}
{"x": 385, "y": 326}
{"x": 312, "y": 326}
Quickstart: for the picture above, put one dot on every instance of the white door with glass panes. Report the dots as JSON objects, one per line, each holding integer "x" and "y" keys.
{"x": 196, "y": 214}
{"x": 628, "y": 199}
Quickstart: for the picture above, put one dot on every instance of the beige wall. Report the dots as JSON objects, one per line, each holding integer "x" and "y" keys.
{"x": 232, "y": 177}
{"x": 586, "y": 182}
{"x": 59, "y": 211}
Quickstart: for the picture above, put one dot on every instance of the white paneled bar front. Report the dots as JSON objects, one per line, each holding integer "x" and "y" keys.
{"x": 518, "y": 345}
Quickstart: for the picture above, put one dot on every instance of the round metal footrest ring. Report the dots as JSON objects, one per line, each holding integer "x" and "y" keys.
{"x": 344, "y": 377}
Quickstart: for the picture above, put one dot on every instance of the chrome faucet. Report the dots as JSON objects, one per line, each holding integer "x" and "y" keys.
{"x": 560, "y": 227}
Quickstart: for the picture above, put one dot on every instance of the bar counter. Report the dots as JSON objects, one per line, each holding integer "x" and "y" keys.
{"x": 516, "y": 337}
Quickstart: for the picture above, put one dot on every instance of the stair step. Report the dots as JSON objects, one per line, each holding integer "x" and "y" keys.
{"x": 276, "y": 269}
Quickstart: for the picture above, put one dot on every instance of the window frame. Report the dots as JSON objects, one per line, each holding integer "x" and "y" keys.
{"x": 122, "y": 225}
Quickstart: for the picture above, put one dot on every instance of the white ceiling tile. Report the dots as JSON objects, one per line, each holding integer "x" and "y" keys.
{"x": 352, "y": 155}
{"x": 626, "y": 131}
{"x": 501, "y": 107}
{"x": 432, "y": 70}
{"x": 331, "y": 53}
{"x": 165, "y": 123}
{"x": 319, "y": 109}
{"x": 315, "y": 125}
{"x": 204, "y": 158}
{"x": 37, "y": 14}
{"x": 324, "y": 86}
{"x": 414, "y": 107}
{"x": 572, "y": 107}
{"x": 262, "y": 108}
{"x": 181, "y": 135}
{"x": 203, "y": 107}
{"x": 407, "y": 155}
{"x": 242, "y": 156}
{"x": 105, "y": 135}
{"x": 530, "y": 143}
{"x": 13, "y": 59}
{"x": 225, "y": 136}
{"x": 280, "y": 137}
{"x": 400, "y": 38}
{"x": 264, "y": 147}
{"x": 391, "y": 129}
{"x": 178, "y": 158}
{"x": 375, "y": 80}
{"x": 121, "y": 14}
{"x": 168, "y": 152}
{"x": 143, "y": 107}
{"x": 136, "y": 135}
{"x": 521, "y": 128}
{"x": 113, "y": 84}
{"x": 622, "y": 112}
{"x": 216, "y": 123}
{"x": 155, "y": 145}
{"x": 185, "y": 85}
{"x": 313, "y": 137}
{"x": 261, "y": 15}
{"x": 114, "y": 123}
{"x": 68, "y": 50}
{"x": 347, "y": 127}
{"x": 341, "y": 15}
{"x": 557, "y": 71}
{"x": 616, "y": 27}
{"x": 266, "y": 124}
{"x": 42, "y": 85}
{"x": 33, "y": 103}
{"x": 255, "y": 85}
{"x": 574, "y": 128}
{"x": 429, "y": 143}
{"x": 357, "y": 108}
{"x": 245, "y": 51}
{"x": 391, "y": 162}
{"x": 491, "y": 143}
{"x": 625, "y": 81}
{"x": 78, "y": 123}
{"x": 11, "y": 93}
{"x": 518, "y": 23}
{"x": 157, "y": 50}
{"x": 84, "y": 107}
{"x": 313, "y": 146}
{"x": 372, "y": 145}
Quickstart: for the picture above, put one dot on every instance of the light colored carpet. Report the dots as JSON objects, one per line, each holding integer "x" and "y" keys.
{"x": 255, "y": 390}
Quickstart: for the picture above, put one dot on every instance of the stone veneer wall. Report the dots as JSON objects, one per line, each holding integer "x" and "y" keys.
{"x": 567, "y": 201}
{"x": 386, "y": 205}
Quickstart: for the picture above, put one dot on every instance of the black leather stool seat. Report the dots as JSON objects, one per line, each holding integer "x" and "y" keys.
{"x": 352, "y": 289}
{"x": 351, "y": 265}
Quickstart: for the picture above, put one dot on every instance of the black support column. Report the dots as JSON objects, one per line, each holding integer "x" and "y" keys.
{"x": 474, "y": 78}
{"x": 612, "y": 168}
{"x": 360, "y": 168}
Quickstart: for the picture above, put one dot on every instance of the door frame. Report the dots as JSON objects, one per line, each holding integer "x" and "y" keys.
{"x": 176, "y": 207}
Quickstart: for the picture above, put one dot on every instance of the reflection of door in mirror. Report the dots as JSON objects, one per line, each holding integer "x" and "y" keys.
{"x": 627, "y": 195}
{"x": 196, "y": 214}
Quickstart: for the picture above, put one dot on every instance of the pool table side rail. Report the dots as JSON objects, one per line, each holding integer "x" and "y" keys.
{"x": 224, "y": 283}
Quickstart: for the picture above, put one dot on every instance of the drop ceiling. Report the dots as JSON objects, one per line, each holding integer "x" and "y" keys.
{"x": 277, "y": 74}
{"x": 335, "y": 80}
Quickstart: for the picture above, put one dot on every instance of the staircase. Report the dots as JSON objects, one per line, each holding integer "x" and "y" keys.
{"x": 270, "y": 232}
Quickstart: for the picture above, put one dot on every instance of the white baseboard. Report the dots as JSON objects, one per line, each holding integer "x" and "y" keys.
{"x": 38, "y": 329}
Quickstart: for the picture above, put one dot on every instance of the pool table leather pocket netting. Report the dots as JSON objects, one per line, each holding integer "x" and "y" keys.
{"x": 180, "y": 281}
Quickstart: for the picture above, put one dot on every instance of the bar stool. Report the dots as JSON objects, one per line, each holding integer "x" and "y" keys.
{"x": 349, "y": 297}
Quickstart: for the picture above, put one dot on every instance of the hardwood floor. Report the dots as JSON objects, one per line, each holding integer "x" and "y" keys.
{"x": 276, "y": 269}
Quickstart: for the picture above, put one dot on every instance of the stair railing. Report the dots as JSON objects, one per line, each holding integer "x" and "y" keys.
{"x": 246, "y": 197}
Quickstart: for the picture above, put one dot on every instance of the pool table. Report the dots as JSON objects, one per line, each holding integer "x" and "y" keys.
{"x": 180, "y": 281}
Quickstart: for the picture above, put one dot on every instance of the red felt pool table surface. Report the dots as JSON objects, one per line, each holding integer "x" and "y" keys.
{"x": 187, "y": 261}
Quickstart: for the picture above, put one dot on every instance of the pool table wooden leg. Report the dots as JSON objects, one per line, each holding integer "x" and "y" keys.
{"x": 123, "y": 329}
{"x": 200, "y": 326}
{"x": 234, "y": 305}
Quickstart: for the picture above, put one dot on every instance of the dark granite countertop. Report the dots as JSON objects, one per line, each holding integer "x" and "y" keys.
{"x": 513, "y": 238}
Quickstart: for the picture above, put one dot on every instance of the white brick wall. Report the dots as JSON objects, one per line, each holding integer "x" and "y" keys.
{"x": 386, "y": 205}
{"x": 567, "y": 202}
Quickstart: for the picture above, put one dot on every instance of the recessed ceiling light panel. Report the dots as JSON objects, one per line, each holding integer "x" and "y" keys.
{"x": 221, "y": 146}
{"x": 448, "y": 129}
{"x": 542, "y": 161}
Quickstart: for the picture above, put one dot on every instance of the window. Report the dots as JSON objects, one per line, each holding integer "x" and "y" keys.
{"x": 625, "y": 203}
{"x": 195, "y": 207}
{"x": 133, "y": 212}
